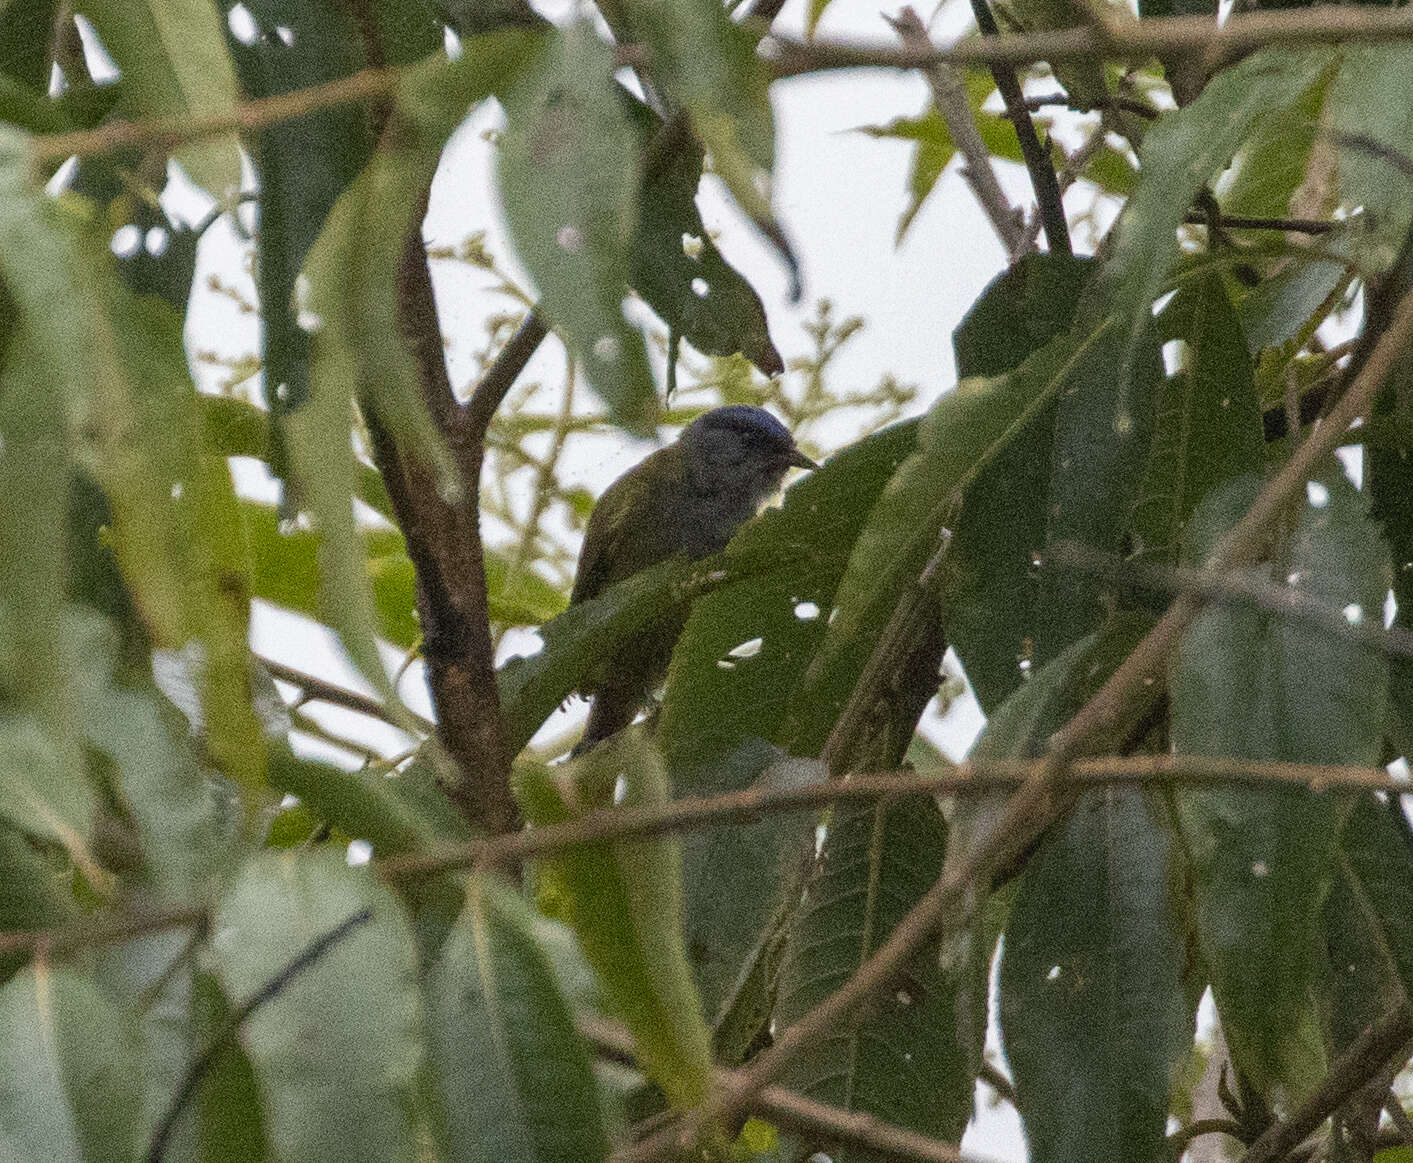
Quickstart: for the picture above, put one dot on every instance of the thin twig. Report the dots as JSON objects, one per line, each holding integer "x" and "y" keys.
{"x": 1177, "y": 1143}
{"x": 1286, "y": 601}
{"x": 202, "y": 1064}
{"x": 1382, "y": 1043}
{"x": 91, "y": 932}
{"x": 950, "y": 99}
{"x": 792, "y": 1111}
{"x": 1123, "y": 104}
{"x": 973, "y": 777}
{"x": 1049, "y": 204}
{"x": 318, "y": 690}
{"x": 1135, "y": 41}
{"x": 1244, "y": 222}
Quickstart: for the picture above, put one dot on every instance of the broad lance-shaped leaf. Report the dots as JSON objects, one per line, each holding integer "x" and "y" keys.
{"x": 568, "y": 176}
{"x": 1183, "y": 151}
{"x": 1092, "y": 1003}
{"x": 1376, "y": 857}
{"x": 1207, "y": 426}
{"x": 515, "y": 1079}
{"x": 624, "y": 901}
{"x": 337, "y": 1052}
{"x": 996, "y": 599}
{"x": 172, "y": 54}
{"x": 1249, "y": 684}
{"x": 230, "y": 1123}
{"x": 740, "y": 657}
{"x": 900, "y": 1061}
{"x": 70, "y": 1061}
{"x": 966, "y": 431}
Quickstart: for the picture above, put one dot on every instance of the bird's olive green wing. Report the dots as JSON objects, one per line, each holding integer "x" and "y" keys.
{"x": 636, "y": 523}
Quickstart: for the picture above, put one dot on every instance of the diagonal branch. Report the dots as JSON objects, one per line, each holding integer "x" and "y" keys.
{"x": 1048, "y": 198}
{"x": 949, "y": 97}
{"x": 1386, "y": 1041}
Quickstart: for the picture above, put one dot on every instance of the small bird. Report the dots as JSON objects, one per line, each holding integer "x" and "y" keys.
{"x": 689, "y": 497}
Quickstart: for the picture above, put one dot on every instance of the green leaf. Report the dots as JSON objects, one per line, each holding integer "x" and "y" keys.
{"x": 151, "y": 762}
{"x": 1248, "y": 685}
{"x": 1274, "y": 163}
{"x": 1092, "y": 1003}
{"x": 568, "y": 178}
{"x": 516, "y": 1081}
{"x": 933, "y": 150}
{"x": 1183, "y": 151}
{"x": 25, "y": 32}
{"x": 230, "y": 1122}
{"x": 337, "y": 1051}
{"x": 710, "y": 66}
{"x": 1208, "y": 426}
{"x": 1377, "y": 861}
{"x": 1278, "y": 308}
{"x": 676, "y": 266}
{"x": 1373, "y": 127}
{"x": 303, "y": 164}
{"x": 34, "y": 892}
{"x": 995, "y": 592}
{"x": 172, "y": 54}
{"x": 624, "y": 902}
{"x": 71, "y": 1067}
{"x": 901, "y": 1062}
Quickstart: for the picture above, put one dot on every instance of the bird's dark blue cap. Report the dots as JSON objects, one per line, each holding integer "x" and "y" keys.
{"x": 746, "y": 418}
{"x": 758, "y": 422}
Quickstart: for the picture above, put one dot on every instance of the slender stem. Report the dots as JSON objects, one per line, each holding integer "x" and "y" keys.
{"x": 792, "y": 1111}
{"x": 318, "y": 690}
{"x": 267, "y": 992}
{"x": 950, "y": 99}
{"x": 974, "y": 777}
{"x": 1386, "y": 1041}
{"x": 1037, "y": 158}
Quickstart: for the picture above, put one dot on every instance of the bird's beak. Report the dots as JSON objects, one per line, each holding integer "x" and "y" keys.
{"x": 799, "y": 460}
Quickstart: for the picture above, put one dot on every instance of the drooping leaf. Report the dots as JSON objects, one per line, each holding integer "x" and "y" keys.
{"x": 71, "y": 1069}
{"x": 515, "y": 1080}
{"x": 902, "y": 1061}
{"x": 568, "y": 177}
{"x": 1092, "y": 1004}
{"x": 336, "y": 1052}
{"x": 229, "y": 1119}
{"x": 1377, "y": 861}
{"x": 624, "y": 902}
{"x": 173, "y": 57}
{"x": 676, "y": 265}
{"x": 1249, "y": 685}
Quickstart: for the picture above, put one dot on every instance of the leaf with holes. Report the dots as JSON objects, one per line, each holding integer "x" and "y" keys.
{"x": 568, "y": 176}
{"x": 1248, "y": 684}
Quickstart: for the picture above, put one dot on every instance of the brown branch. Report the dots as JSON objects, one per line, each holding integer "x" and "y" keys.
{"x": 1123, "y": 104}
{"x": 950, "y": 99}
{"x": 1285, "y": 601}
{"x": 1048, "y": 198}
{"x": 1243, "y": 222}
{"x": 1381, "y": 1044}
{"x": 1125, "y": 697}
{"x": 443, "y": 537}
{"x": 86, "y": 934}
{"x": 831, "y": 1125}
{"x": 317, "y": 690}
{"x": 1135, "y": 41}
{"x": 974, "y": 777}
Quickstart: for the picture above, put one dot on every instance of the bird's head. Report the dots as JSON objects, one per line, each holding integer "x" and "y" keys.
{"x": 740, "y": 449}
